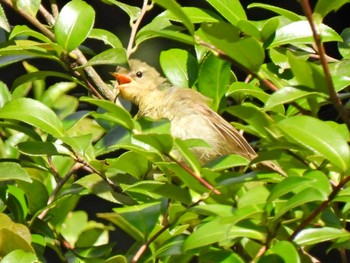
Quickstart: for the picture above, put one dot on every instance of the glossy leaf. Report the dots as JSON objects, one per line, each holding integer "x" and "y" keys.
{"x": 42, "y": 149}
{"x": 106, "y": 36}
{"x": 4, "y": 24}
{"x": 176, "y": 9}
{"x": 232, "y": 10}
{"x": 344, "y": 46}
{"x": 323, "y": 7}
{"x": 30, "y": 7}
{"x": 19, "y": 256}
{"x": 215, "y": 231}
{"x": 278, "y": 10}
{"x": 138, "y": 220}
{"x": 113, "y": 56}
{"x": 74, "y": 24}
{"x": 245, "y": 51}
{"x": 132, "y": 11}
{"x": 300, "y": 32}
{"x": 312, "y": 236}
{"x": 179, "y": 66}
{"x": 23, "y": 30}
{"x": 34, "y": 113}
{"x": 196, "y": 15}
{"x": 282, "y": 250}
{"x": 213, "y": 79}
{"x": 322, "y": 139}
{"x": 161, "y": 143}
{"x": 13, "y": 171}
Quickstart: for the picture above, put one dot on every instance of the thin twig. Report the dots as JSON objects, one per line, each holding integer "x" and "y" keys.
{"x": 58, "y": 188}
{"x": 197, "y": 177}
{"x": 54, "y": 8}
{"x": 48, "y": 17}
{"x": 322, "y": 207}
{"x": 323, "y": 59}
{"x": 135, "y": 26}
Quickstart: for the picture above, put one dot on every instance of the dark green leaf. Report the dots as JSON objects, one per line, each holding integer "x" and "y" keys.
{"x": 34, "y": 113}
{"x": 74, "y": 24}
{"x": 176, "y": 9}
{"x": 179, "y": 66}
{"x": 23, "y": 30}
{"x": 162, "y": 143}
{"x": 319, "y": 137}
{"x": 282, "y": 250}
{"x": 232, "y": 10}
{"x": 42, "y": 149}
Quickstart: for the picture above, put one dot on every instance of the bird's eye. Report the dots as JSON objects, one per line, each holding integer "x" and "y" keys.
{"x": 139, "y": 74}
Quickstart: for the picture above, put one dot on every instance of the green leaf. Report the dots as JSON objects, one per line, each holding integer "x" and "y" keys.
{"x": 74, "y": 24}
{"x": 289, "y": 94}
{"x": 187, "y": 155}
{"x": 30, "y": 77}
{"x": 300, "y": 32}
{"x": 132, "y": 11}
{"x": 245, "y": 51}
{"x": 73, "y": 225}
{"x": 213, "y": 79}
{"x": 162, "y": 143}
{"x": 300, "y": 199}
{"x": 319, "y": 137}
{"x": 34, "y": 113}
{"x": 42, "y": 149}
{"x": 5, "y": 95}
{"x": 106, "y": 36}
{"x": 344, "y": 46}
{"x": 308, "y": 74}
{"x": 30, "y": 7}
{"x": 20, "y": 256}
{"x": 113, "y": 56}
{"x": 132, "y": 163}
{"x": 179, "y": 66}
{"x": 312, "y": 236}
{"x": 282, "y": 250}
{"x": 221, "y": 256}
{"x": 11, "y": 241}
{"x": 13, "y": 171}
{"x": 4, "y": 24}
{"x": 176, "y": 9}
{"x": 232, "y": 10}
{"x": 217, "y": 231}
{"x": 278, "y": 10}
{"x": 162, "y": 27}
{"x": 55, "y": 92}
{"x": 196, "y": 15}
{"x": 115, "y": 113}
{"x": 23, "y": 30}
{"x": 138, "y": 220}
{"x": 323, "y": 7}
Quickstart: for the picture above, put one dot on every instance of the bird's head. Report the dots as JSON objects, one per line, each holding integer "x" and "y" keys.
{"x": 139, "y": 82}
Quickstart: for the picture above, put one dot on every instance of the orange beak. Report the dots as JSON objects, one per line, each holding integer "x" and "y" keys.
{"x": 122, "y": 79}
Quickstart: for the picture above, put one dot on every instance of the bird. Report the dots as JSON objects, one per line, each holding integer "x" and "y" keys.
{"x": 187, "y": 110}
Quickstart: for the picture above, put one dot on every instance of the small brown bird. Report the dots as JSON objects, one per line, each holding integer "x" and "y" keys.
{"x": 187, "y": 110}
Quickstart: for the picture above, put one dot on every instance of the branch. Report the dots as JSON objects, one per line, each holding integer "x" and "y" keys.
{"x": 135, "y": 26}
{"x": 322, "y": 207}
{"x": 323, "y": 59}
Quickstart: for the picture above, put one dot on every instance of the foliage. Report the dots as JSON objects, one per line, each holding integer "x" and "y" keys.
{"x": 53, "y": 153}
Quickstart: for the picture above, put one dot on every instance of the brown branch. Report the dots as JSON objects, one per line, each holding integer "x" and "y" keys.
{"x": 322, "y": 207}
{"x": 323, "y": 59}
{"x": 134, "y": 26}
{"x": 197, "y": 177}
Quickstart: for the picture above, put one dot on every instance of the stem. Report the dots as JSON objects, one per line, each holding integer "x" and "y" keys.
{"x": 323, "y": 59}
{"x": 322, "y": 207}
{"x": 135, "y": 26}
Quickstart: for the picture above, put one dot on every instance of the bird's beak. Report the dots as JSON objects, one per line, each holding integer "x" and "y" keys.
{"x": 122, "y": 79}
